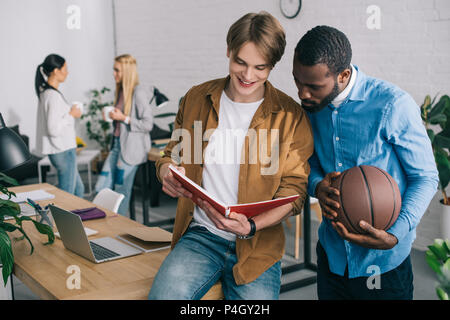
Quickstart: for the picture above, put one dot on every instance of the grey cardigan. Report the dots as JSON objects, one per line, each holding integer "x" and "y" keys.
{"x": 135, "y": 137}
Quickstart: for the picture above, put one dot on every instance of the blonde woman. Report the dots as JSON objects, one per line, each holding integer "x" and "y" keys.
{"x": 132, "y": 123}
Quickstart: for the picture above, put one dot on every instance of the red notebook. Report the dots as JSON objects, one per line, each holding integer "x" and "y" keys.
{"x": 249, "y": 209}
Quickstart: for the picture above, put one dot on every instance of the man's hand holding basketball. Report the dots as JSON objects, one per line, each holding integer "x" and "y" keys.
{"x": 372, "y": 239}
{"x": 323, "y": 192}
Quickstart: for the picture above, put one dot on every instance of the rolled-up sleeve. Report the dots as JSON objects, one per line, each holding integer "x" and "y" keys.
{"x": 294, "y": 178}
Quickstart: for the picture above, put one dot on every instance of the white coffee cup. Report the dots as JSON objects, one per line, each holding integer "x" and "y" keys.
{"x": 106, "y": 110}
{"x": 79, "y": 105}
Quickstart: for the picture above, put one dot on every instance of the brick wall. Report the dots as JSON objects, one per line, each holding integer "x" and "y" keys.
{"x": 182, "y": 43}
{"x": 29, "y": 31}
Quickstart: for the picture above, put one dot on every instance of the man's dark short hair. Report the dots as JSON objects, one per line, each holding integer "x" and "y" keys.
{"x": 324, "y": 44}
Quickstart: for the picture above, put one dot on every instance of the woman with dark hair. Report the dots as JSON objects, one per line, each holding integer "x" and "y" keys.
{"x": 55, "y": 130}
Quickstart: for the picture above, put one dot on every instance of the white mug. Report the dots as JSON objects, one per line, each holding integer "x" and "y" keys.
{"x": 106, "y": 110}
{"x": 79, "y": 105}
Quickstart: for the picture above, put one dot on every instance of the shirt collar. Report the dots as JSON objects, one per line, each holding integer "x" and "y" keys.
{"x": 344, "y": 94}
{"x": 358, "y": 92}
{"x": 270, "y": 104}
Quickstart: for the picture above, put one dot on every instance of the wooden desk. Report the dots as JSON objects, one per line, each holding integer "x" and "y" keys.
{"x": 44, "y": 272}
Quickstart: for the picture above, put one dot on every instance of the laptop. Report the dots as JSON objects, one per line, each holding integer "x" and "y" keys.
{"x": 74, "y": 238}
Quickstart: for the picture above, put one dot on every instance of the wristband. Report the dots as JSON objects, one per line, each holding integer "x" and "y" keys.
{"x": 252, "y": 230}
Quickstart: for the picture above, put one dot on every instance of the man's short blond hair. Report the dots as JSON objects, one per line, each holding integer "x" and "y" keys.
{"x": 264, "y": 30}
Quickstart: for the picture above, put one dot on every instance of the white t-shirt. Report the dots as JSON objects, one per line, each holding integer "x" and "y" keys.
{"x": 222, "y": 158}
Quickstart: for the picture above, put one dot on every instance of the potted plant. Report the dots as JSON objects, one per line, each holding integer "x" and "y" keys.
{"x": 98, "y": 129}
{"x": 10, "y": 208}
{"x": 438, "y": 258}
{"x": 438, "y": 115}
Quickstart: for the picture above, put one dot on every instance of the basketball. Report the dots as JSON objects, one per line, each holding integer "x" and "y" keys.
{"x": 367, "y": 193}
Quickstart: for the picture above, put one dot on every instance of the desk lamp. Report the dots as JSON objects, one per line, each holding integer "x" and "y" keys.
{"x": 161, "y": 99}
{"x": 13, "y": 151}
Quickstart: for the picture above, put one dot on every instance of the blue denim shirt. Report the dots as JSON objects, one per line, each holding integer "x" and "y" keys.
{"x": 379, "y": 125}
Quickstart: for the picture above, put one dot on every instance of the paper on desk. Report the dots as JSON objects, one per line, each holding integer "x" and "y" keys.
{"x": 35, "y": 195}
{"x": 147, "y": 239}
{"x": 25, "y": 210}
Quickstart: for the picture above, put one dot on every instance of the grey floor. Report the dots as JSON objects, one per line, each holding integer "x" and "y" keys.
{"x": 424, "y": 278}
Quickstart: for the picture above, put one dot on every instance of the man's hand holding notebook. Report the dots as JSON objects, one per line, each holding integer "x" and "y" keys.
{"x": 170, "y": 185}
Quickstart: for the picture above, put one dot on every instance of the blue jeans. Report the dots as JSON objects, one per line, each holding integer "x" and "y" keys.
{"x": 117, "y": 175}
{"x": 198, "y": 261}
{"x": 68, "y": 176}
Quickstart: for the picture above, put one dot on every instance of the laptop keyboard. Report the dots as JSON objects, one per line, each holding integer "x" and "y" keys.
{"x": 101, "y": 253}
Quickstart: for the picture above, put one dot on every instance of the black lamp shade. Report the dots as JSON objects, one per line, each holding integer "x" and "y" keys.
{"x": 160, "y": 99}
{"x": 13, "y": 151}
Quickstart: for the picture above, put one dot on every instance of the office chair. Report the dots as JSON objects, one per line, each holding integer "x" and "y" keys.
{"x": 109, "y": 199}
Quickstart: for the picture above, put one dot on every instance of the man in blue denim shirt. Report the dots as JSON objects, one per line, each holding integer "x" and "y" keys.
{"x": 356, "y": 120}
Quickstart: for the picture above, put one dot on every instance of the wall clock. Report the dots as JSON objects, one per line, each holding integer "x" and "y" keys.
{"x": 290, "y": 8}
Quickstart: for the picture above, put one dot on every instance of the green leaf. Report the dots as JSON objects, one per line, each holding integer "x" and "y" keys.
{"x": 426, "y": 102}
{"x": 430, "y": 135}
{"x": 439, "y": 108}
{"x": 439, "y": 252}
{"x": 442, "y": 294}
{"x": 446, "y": 265}
{"x": 433, "y": 262}
{"x": 446, "y": 245}
{"x": 438, "y": 119}
{"x": 25, "y": 236}
{"x": 442, "y": 141}
{"x": 425, "y": 107}
{"x": 4, "y": 190}
{"x": 9, "y": 208}
{"x": 41, "y": 227}
{"x": 6, "y": 255}
{"x": 105, "y": 89}
{"x": 443, "y": 166}
{"x": 8, "y": 227}
{"x": 45, "y": 229}
{"x": 8, "y": 180}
